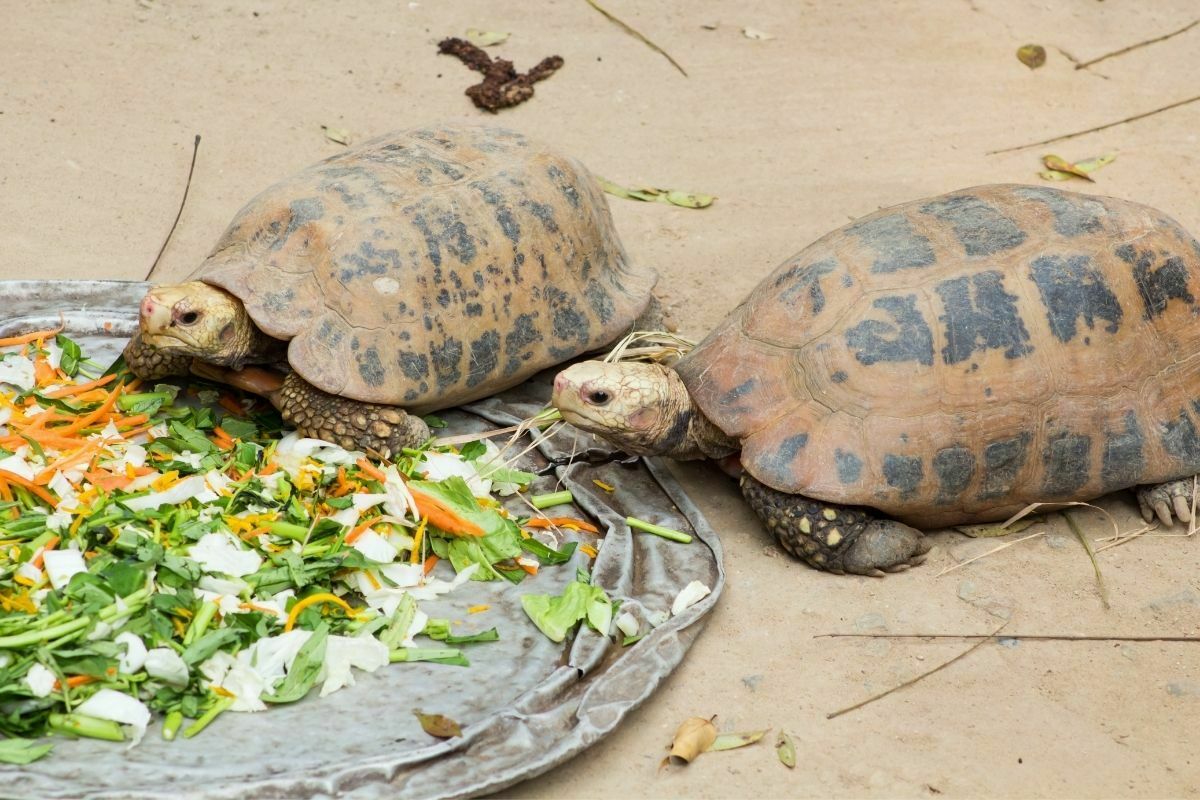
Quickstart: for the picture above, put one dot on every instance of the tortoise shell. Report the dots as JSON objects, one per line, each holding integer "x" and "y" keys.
{"x": 430, "y": 267}
{"x": 954, "y": 359}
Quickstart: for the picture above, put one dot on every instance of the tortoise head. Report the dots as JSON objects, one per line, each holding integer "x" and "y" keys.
{"x": 199, "y": 320}
{"x": 642, "y": 408}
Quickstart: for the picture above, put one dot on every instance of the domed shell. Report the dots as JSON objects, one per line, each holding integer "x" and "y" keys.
{"x": 954, "y": 359}
{"x": 431, "y": 267}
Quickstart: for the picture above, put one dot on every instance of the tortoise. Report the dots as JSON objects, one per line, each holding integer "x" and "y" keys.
{"x": 420, "y": 270}
{"x": 945, "y": 361}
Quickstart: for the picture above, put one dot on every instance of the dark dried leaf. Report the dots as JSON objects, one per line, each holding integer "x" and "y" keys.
{"x": 1032, "y": 55}
{"x": 437, "y": 725}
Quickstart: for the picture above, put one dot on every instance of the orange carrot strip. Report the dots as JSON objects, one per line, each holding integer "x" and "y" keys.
{"x": 532, "y": 569}
{"x": 254, "y": 607}
{"x": 5, "y": 493}
{"x": 103, "y": 479}
{"x": 75, "y": 681}
{"x": 13, "y": 341}
{"x": 94, "y": 416}
{"x": 67, "y": 391}
{"x": 268, "y": 469}
{"x": 443, "y": 517}
{"x": 430, "y": 563}
{"x": 136, "y": 419}
{"x": 30, "y": 485}
{"x": 43, "y": 373}
{"x": 371, "y": 469}
{"x": 358, "y": 531}
{"x": 133, "y": 386}
{"x": 49, "y": 545}
{"x": 83, "y": 454}
{"x": 562, "y": 522}
{"x": 231, "y": 405}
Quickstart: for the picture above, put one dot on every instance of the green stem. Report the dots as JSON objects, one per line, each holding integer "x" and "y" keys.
{"x": 288, "y": 530}
{"x": 658, "y": 530}
{"x": 171, "y": 725}
{"x": 199, "y": 624}
{"x": 107, "y": 614}
{"x": 91, "y": 727}
{"x": 541, "y": 501}
{"x": 220, "y": 706}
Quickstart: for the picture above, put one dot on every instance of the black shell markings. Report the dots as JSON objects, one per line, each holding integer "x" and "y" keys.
{"x": 460, "y": 259}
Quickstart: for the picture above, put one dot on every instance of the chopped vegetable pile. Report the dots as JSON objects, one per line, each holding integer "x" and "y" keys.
{"x": 190, "y": 558}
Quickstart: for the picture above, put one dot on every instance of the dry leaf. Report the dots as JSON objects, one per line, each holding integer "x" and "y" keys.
{"x": 732, "y": 741}
{"x": 757, "y": 35}
{"x": 651, "y": 195}
{"x": 1032, "y": 55}
{"x": 486, "y": 38}
{"x": 711, "y": 26}
{"x": 338, "y": 135}
{"x": 1059, "y": 169}
{"x": 436, "y": 725}
{"x": 694, "y": 736}
{"x": 785, "y": 748}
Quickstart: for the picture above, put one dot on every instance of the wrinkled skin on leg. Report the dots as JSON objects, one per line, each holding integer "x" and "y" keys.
{"x": 371, "y": 427}
{"x": 1161, "y": 500}
{"x": 833, "y": 537}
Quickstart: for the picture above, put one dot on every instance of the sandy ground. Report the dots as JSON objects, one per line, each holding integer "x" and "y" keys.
{"x": 851, "y": 106}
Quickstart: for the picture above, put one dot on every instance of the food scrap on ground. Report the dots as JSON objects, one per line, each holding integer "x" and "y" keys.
{"x": 502, "y": 86}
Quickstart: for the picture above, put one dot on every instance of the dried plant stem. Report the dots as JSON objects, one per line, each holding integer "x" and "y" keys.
{"x": 186, "y": 187}
{"x": 990, "y": 552}
{"x": 637, "y": 35}
{"x": 1098, "y": 128}
{"x": 1138, "y": 45}
{"x": 983, "y": 640}
{"x": 1030, "y": 637}
{"x": 1087, "y": 545}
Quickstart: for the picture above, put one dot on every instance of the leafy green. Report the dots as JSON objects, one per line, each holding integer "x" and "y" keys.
{"x": 304, "y": 671}
{"x": 555, "y": 616}
{"x": 22, "y": 751}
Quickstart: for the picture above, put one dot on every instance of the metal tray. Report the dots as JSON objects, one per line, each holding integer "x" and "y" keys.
{"x": 525, "y": 704}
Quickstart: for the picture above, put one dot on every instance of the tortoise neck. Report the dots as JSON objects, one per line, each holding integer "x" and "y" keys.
{"x": 693, "y": 435}
{"x": 244, "y": 343}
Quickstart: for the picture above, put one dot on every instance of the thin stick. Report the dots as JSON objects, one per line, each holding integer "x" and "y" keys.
{"x": 982, "y": 641}
{"x": 1039, "y": 637}
{"x": 989, "y": 552}
{"x": 1087, "y": 545}
{"x": 186, "y": 187}
{"x": 634, "y": 33}
{"x": 1106, "y": 126}
{"x": 1132, "y": 47}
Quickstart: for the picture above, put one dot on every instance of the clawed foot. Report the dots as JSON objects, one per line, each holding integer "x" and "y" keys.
{"x": 883, "y": 546}
{"x": 1165, "y": 498}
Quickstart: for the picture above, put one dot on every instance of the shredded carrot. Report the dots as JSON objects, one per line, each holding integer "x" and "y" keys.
{"x": 443, "y": 517}
{"x": 268, "y": 469}
{"x": 79, "y": 388}
{"x": 313, "y": 599}
{"x": 230, "y": 404}
{"x": 30, "y": 485}
{"x": 83, "y": 454}
{"x": 103, "y": 479}
{"x": 133, "y": 386}
{"x": 532, "y": 569}
{"x": 94, "y": 416}
{"x": 13, "y": 341}
{"x": 589, "y": 550}
{"x": 222, "y": 439}
{"x": 76, "y": 680}
{"x": 430, "y": 563}
{"x": 354, "y": 535}
{"x": 40, "y": 556}
{"x": 371, "y": 469}
{"x": 254, "y": 607}
{"x": 43, "y": 373}
{"x": 136, "y": 419}
{"x": 5, "y": 493}
{"x": 562, "y": 522}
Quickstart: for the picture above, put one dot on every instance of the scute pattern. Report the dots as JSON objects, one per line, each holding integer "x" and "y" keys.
{"x": 1051, "y": 349}
{"x": 431, "y": 267}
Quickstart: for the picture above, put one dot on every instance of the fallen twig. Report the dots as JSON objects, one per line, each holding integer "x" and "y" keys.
{"x": 1106, "y": 126}
{"x": 187, "y": 186}
{"x": 983, "y": 640}
{"x": 637, "y": 35}
{"x": 1131, "y": 47}
{"x": 989, "y": 552}
{"x": 1029, "y": 637}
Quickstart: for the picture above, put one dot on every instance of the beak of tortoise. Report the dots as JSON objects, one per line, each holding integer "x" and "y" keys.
{"x": 154, "y": 315}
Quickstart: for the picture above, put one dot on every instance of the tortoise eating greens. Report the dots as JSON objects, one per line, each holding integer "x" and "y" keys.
{"x": 417, "y": 271}
{"x": 946, "y": 361}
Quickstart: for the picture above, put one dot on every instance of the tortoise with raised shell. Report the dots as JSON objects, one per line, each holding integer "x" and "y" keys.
{"x": 417, "y": 271}
{"x": 946, "y": 361}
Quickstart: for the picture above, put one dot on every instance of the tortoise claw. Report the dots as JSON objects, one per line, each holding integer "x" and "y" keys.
{"x": 1161, "y": 500}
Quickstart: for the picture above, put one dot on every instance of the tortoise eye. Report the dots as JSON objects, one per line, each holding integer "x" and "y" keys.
{"x": 189, "y": 317}
{"x": 599, "y": 397}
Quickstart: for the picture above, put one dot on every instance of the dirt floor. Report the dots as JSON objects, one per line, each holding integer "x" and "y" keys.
{"x": 850, "y": 106}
